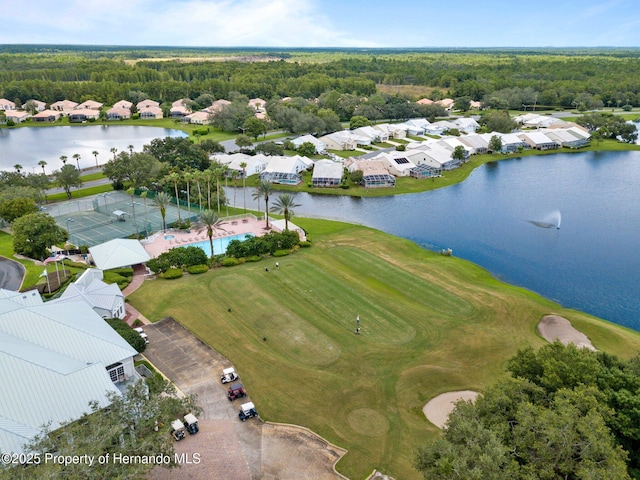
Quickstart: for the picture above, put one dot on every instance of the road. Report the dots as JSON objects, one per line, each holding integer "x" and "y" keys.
{"x": 11, "y": 274}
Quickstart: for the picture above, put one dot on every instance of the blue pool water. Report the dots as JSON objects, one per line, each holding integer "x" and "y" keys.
{"x": 219, "y": 244}
{"x": 169, "y": 237}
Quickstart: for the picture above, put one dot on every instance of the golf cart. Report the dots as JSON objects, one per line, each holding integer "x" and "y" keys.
{"x": 247, "y": 410}
{"x": 236, "y": 391}
{"x": 191, "y": 423}
{"x": 228, "y": 375}
{"x": 142, "y": 334}
{"x": 177, "y": 430}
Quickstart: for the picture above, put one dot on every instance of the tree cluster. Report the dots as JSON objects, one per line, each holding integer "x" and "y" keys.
{"x": 266, "y": 244}
{"x": 181, "y": 257}
{"x": 565, "y": 413}
{"x": 609, "y": 126}
{"x": 129, "y": 334}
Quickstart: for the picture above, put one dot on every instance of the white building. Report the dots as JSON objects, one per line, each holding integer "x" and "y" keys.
{"x": 319, "y": 144}
{"x": 327, "y": 173}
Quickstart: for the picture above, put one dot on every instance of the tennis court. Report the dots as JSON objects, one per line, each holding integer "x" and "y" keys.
{"x": 98, "y": 219}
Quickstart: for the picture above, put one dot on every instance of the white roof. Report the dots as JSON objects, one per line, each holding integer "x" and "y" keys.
{"x": 285, "y": 164}
{"x": 536, "y": 137}
{"x": 91, "y": 289}
{"x": 327, "y": 169}
{"x": 118, "y": 253}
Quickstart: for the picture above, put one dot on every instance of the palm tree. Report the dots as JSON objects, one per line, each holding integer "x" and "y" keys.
{"x": 76, "y": 157}
{"x": 175, "y": 178}
{"x": 114, "y": 150}
{"x": 243, "y": 165}
{"x": 234, "y": 177}
{"x": 217, "y": 171}
{"x": 131, "y": 191}
{"x": 161, "y": 201}
{"x": 42, "y": 163}
{"x": 225, "y": 171}
{"x": 95, "y": 154}
{"x": 143, "y": 195}
{"x": 263, "y": 190}
{"x": 188, "y": 177}
{"x": 198, "y": 177}
{"x": 212, "y": 222}
{"x": 63, "y": 158}
{"x": 131, "y": 149}
{"x": 18, "y": 167}
{"x": 284, "y": 205}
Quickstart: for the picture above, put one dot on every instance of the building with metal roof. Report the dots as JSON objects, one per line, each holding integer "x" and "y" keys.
{"x": 55, "y": 358}
{"x": 119, "y": 252}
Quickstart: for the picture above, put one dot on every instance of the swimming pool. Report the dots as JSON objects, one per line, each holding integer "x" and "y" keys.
{"x": 169, "y": 237}
{"x": 219, "y": 244}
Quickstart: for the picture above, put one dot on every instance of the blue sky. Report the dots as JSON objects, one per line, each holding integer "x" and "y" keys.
{"x": 324, "y": 23}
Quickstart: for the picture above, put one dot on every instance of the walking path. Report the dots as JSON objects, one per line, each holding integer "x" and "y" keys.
{"x": 132, "y": 314}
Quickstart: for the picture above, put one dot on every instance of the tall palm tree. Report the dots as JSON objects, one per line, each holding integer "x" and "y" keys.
{"x": 143, "y": 195}
{"x": 131, "y": 149}
{"x": 211, "y": 222}
{"x": 225, "y": 170}
{"x": 161, "y": 201}
{"x": 198, "y": 177}
{"x": 113, "y": 150}
{"x": 76, "y": 157}
{"x": 131, "y": 191}
{"x": 187, "y": 176}
{"x": 263, "y": 190}
{"x": 63, "y": 159}
{"x": 95, "y": 154}
{"x": 284, "y": 205}
{"x": 175, "y": 178}
{"x": 234, "y": 177}
{"x": 243, "y": 165}
{"x": 217, "y": 171}
{"x": 42, "y": 163}
{"x": 18, "y": 167}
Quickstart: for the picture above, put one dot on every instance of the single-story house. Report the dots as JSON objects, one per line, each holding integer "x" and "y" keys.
{"x": 258, "y": 104}
{"x": 118, "y": 113}
{"x": 55, "y": 359}
{"x": 46, "y": 116}
{"x": 123, "y": 104}
{"x": 183, "y": 102}
{"x": 107, "y": 300}
{"x": 284, "y": 170}
{"x": 425, "y": 101}
{"x": 477, "y": 143}
{"x": 40, "y": 106}
{"x": 17, "y": 116}
{"x": 392, "y": 130}
{"x": 144, "y": 104}
{"x": 374, "y": 173}
{"x": 567, "y": 137}
{"x": 538, "y": 140}
{"x": 197, "y": 118}
{"x": 217, "y": 105}
{"x": 90, "y": 104}
{"x": 440, "y": 128}
{"x": 416, "y": 126}
{"x": 327, "y": 173}
{"x": 319, "y": 144}
{"x": 374, "y": 135}
{"x": 254, "y": 163}
{"x": 83, "y": 115}
{"x": 436, "y": 155}
{"x": 450, "y": 143}
{"x": 151, "y": 113}
{"x": 466, "y": 124}
{"x": 342, "y": 140}
{"x": 7, "y": 104}
{"x": 396, "y": 163}
{"x": 511, "y": 142}
{"x": 63, "y": 105}
{"x": 117, "y": 253}
{"x": 179, "y": 111}
{"x": 447, "y": 103}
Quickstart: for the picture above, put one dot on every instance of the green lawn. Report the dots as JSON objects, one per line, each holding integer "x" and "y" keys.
{"x": 430, "y": 324}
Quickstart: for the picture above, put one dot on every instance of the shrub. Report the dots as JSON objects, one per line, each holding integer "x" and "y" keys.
{"x": 230, "y": 262}
{"x": 281, "y": 253}
{"x": 172, "y": 273}
{"x": 125, "y": 272}
{"x": 129, "y": 334}
{"x": 195, "y": 269}
{"x": 253, "y": 258}
{"x": 111, "y": 277}
{"x": 305, "y": 244}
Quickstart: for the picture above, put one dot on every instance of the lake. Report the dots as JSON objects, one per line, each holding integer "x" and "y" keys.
{"x": 592, "y": 263}
{"x": 27, "y": 146}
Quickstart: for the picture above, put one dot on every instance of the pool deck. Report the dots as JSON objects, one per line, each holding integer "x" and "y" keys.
{"x": 156, "y": 244}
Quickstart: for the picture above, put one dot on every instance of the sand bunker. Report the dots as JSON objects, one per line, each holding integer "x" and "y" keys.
{"x": 553, "y": 327}
{"x": 437, "y": 410}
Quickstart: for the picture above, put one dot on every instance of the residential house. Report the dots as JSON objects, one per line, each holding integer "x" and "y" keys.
{"x": 416, "y": 126}
{"x": 319, "y": 144}
{"x": 466, "y": 124}
{"x": 396, "y": 163}
{"x": 217, "y": 105}
{"x": 425, "y": 170}
{"x": 180, "y": 111}
{"x": 55, "y": 360}
{"x": 538, "y": 140}
{"x": 90, "y": 104}
{"x": 478, "y": 143}
{"x": 197, "y": 118}
{"x": 450, "y": 143}
{"x": 146, "y": 104}
{"x": 327, "y": 173}
{"x": 107, "y": 300}
{"x": 569, "y": 138}
{"x": 151, "y": 113}
{"x": 39, "y": 106}
{"x": 425, "y": 101}
{"x": 475, "y": 105}
{"x": 17, "y": 116}
{"x": 375, "y": 135}
{"x": 118, "y": 113}
{"x": 183, "y": 102}
{"x": 374, "y": 173}
{"x": 392, "y": 130}
{"x": 79, "y": 116}
{"x": 63, "y": 106}
{"x": 48, "y": 116}
{"x": 440, "y": 128}
{"x": 258, "y": 104}
{"x": 123, "y": 104}
{"x": 447, "y": 103}
{"x": 285, "y": 170}
{"x": 342, "y": 141}
{"x": 7, "y": 104}
{"x": 254, "y": 163}
{"x": 511, "y": 142}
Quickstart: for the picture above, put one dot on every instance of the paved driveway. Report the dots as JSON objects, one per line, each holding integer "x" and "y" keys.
{"x": 11, "y": 274}
{"x": 227, "y": 447}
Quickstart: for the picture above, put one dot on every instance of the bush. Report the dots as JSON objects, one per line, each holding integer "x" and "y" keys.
{"x": 110, "y": 277}
{"x": 230, "y": 262}
{"x": 125, "y": 272}
{"x": 253, "y": 258}
{"x": 128, "y": 333}
{"x": 281, "y": 253}
{"x": 172, "y": 273}
{"x": 305, "y": 244}
{"x": 195, "y": 269}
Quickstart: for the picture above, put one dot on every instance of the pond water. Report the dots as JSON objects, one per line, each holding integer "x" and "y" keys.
{"x": 496, "y": 218}
{"x": 27, "y": 146}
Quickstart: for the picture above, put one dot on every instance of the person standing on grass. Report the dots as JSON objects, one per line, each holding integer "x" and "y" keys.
{"x": 358, "y": 320}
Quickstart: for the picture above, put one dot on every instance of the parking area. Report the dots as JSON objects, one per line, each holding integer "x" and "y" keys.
{"x": 227, "y": 447}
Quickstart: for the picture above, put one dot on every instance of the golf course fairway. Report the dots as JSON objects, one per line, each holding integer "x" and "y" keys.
{"x": 429, "y": 324}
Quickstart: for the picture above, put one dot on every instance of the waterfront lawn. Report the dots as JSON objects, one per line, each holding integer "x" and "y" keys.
{"x": 430, "y": 324}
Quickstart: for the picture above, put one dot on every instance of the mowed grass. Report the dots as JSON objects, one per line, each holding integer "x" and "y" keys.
{"x": 429, "y": 324}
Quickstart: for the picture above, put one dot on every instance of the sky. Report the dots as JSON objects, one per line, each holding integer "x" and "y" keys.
{"x": 323, "y": 23}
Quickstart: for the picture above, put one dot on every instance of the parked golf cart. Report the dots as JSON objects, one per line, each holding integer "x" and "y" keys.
{"x": 236, "y": 391}
{"x": 142, "y": 334}
{"x": 191, "y": 423}
{"x": 177, "y": 430}
{"x": 228, "y": 375}
{"x": 247, "y": 410}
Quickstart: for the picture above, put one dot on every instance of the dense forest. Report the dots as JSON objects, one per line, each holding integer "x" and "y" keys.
{"x": 505, "y": 78}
